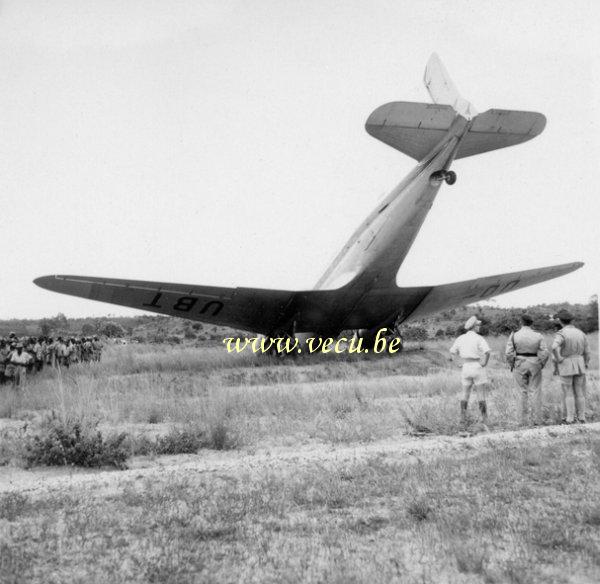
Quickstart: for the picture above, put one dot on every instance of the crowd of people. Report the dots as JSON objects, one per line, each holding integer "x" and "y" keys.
{"x": 29, "y": 355}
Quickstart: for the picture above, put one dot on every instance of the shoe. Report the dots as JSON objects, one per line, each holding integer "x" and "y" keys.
{"x": 579, "y": 421}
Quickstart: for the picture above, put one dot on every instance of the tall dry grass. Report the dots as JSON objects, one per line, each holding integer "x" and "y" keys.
{"x": 266, "y": 400}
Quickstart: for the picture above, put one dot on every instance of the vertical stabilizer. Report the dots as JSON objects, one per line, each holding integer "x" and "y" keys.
{"x": 443, "y": 91}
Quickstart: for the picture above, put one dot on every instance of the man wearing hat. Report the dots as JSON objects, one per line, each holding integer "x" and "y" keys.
{"x": 572, "y": 353}
{"x": 475, "y": 353}
{"x": 527, "y": 353}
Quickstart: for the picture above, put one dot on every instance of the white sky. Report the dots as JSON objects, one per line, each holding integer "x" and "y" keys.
{"x": 223, "y": 142}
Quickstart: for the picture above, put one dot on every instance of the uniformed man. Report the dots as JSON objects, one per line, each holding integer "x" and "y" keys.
{"x": 572, "y": 353}
{"x": 475, "y": 353}
{"x": 527, "y": 354}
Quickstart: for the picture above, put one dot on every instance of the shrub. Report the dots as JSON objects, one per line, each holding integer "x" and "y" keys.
{"x": 12, "y": 505}
{"x": 69, "y": 442}
{"x": 180, "y": 442}
{"x": 419, "y": 509}
{"x": 220, "y": 437}
{"x": 415, "y": 333}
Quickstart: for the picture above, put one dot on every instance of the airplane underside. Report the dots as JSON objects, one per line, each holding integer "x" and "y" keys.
{"x": 359, "y": 290}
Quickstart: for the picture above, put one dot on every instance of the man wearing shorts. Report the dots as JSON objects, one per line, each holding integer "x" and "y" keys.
{"x": 474, "y": 351}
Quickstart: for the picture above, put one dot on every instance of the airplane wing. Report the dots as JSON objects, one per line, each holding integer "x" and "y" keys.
{"x": 461, "y": 293}
{"x": 268, "y": 311}
{"x": 251, "y": 309}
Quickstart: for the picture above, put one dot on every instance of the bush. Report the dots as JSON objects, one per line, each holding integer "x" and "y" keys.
{"x": 112, "y": 329}
{"x": 419, "y": 509}
{"x": 415, "y": 333}
{"x": 12, "y": 505}
{"x": 69, "y": 442}
{"x": 220, "y": 437}
{"x": 180, "y": 442}
{"x": 185, "y": 441}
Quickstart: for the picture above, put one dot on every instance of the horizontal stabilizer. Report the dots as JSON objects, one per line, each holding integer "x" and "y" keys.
{"x": 461, "y": 293}
{"x": 416, "y": 128}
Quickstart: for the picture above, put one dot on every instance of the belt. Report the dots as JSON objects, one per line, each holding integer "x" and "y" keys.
{"x": 526, "y": 354}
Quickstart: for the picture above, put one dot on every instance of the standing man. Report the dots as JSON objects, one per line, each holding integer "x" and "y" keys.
{"x": 20, "y": 360}
{"x": 475, "y": 353}
{"x": 572, "y": 353}
{"x": 527, "y": 354}
{"x": 4, "y": 358}
{"x": 97, "y": 349}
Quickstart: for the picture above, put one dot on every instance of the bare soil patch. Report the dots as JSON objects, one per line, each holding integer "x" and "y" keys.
{"x": 401, "y": 449}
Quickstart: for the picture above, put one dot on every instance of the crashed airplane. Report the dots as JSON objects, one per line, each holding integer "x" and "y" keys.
{"x": 359, "y": 290}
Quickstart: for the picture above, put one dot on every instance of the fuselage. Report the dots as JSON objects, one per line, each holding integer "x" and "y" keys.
{"x": 373, "y": 255}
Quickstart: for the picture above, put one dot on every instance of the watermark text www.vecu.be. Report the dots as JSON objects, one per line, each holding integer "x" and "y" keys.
{"x": 381, "y": 344}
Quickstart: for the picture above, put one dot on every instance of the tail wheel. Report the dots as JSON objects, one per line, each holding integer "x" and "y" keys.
{"x": 450, "y": 177}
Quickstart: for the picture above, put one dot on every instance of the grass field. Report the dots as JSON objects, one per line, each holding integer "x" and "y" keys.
{"x": 522, "y": 514}
{"x": 259, "y": 399}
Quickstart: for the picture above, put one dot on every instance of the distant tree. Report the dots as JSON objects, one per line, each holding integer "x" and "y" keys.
{"x": 589, "y": 322}
{"x": 543, "y": 323}
{"x": 189, "y": 333}
{"x": 112, "y": 329}
{"x": 58, "y": 322}
{"x": 87, "y": 329}
{"x": 505, "y": 323}
{"x": 45, "y": 327}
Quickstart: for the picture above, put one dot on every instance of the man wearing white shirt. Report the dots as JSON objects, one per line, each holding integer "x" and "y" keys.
{"x": 474, "y": 351}
{"x": 19, "y": 359}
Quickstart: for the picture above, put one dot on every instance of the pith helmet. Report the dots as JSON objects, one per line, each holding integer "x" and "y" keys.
{"x": 472, "y": 322}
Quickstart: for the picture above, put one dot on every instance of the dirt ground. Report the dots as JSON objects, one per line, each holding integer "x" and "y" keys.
{"x": 401, "y": 449}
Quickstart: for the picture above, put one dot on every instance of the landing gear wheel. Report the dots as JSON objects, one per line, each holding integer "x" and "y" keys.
{"x": 450, "y": 177}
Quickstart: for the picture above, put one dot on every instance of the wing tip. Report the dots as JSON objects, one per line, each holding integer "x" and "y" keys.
{"x": 42, "y": 281}
{"x": 47, "y": 281}
{"x": 574, "y": 266}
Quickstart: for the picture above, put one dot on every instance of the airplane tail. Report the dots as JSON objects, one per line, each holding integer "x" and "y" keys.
{"x": 416, "y": 128}
{"x": 443, "y": 91}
